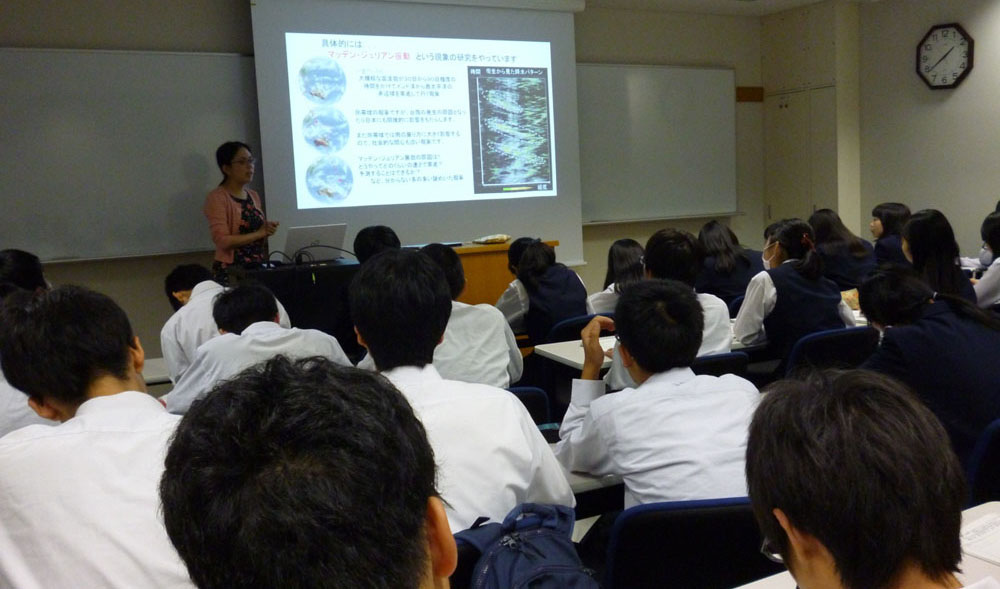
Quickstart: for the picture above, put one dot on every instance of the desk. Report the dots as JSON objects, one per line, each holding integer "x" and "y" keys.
{"x": 154, "y": 371}
{"x": 595, "y": 495}
{"x": 974, "y": 568}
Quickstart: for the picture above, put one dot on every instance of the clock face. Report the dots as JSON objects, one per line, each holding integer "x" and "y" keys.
{"x": 944, "y": 56}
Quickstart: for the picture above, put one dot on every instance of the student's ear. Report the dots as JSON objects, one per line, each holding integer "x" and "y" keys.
{"x": 182, "y": 296}
{"x": 44, "y": 409}
{"x": 137, "y": 356}
{"x": 440, "y": 541}
{"x": 803, "y": 546}
{"x": 361, "y": 340}
{"x": 627, "y": 358}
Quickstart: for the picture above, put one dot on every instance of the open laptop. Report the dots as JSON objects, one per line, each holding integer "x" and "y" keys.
{"x": 314, "y": 237}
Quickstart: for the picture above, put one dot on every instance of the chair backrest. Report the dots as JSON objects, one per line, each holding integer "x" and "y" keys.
{"x": 536, "y": 401}
{"x": 719, "y": 364}
{"x": 983, "y": 469}
{"x": 707, "y": 544}
{"x": 734, "y": 306}
{"x": 569, "y": 329}
{"x": 847, "y": 347}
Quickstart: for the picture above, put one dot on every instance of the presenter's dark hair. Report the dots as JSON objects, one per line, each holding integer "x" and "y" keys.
{"x": 516, "y": 250}
{"x": 400, "y": 304}
{"x": 226, "y": 152}
{"x": 894, "y": 295}
{"x": 797, "y": 239}
{"x": 184, "y": 277}
{"x": 660, "y": 323}
{"x": 990, "y": 232}
{"x": 374, "y": 239}
{"x": 624, "y": 264}
{"x": 674, "y": 255}
{"x": 892, "y": 215}
{"x": 300, "y": 474}
{"x": 934, "y": 250}
{"x": 833, "y": 237}
{"x": 859, "y": 445}
{"x": 22, "y": 268}
{"x": 55, "y": 343}
{"x": 235, "y": 309}
{"x": 720, "y": 243}
{"x": 536, "y": 259}
{"x": 450, "y": 263}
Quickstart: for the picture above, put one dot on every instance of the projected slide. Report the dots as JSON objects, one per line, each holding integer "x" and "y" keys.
{"x": 399, "y": 120}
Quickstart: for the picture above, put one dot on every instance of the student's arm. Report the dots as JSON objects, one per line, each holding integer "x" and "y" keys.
{"x": 173, "y": 354}
{"x": 548, "y": 483}
{"x": 758, "y": 302}
{"x": 515, "y": 363}
{"x": 988, "y": 287}
{"x": 194, "y": 383}
{"x": 513, "y": 303}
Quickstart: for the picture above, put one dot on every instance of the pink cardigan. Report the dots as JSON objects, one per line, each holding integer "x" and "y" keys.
{"x": 223, "y": 214}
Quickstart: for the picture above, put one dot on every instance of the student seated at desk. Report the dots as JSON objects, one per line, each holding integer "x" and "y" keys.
{"x": 624, "y": 269}
{"x": 988, "y": 287}
{"x": 791, "y": 298}
{"x": 929, "y": 244}
{"x": 854, "y": 486}
{"x": 335, "y": 480}
{"x": 79, "y": 506}
{"x": 677, "y": 435}
{"x": 544, "y": 292}
{"x": 942, "y": 346}
{"x": 19, "y": 271}
{"x": 478, "y": 344}
{"x": 374, "y": 239}
{"x": 490, "y": 455}
{"x": 676, "y": 255}
{"x": 847, "y": 259}
{"x": 191, "y": 292}
{"x": 247, "y": 317}
{"x": 728, "y": 266}
{"x": 887, "y": 222}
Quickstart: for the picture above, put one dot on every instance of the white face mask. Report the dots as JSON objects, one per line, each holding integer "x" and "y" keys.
{"x": 985, "y": 256}
{"x": 764, "y": 258}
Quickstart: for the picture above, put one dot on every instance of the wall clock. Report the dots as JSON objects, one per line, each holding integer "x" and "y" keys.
{"x": 944, "y": 56}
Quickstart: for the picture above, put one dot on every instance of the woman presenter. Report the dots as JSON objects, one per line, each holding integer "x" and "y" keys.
{"x": 234, "y": 214}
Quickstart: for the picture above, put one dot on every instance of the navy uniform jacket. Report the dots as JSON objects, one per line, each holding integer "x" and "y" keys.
{"x": 728, "y": 286}
{"x": 845, "y": 269}
{"x": 889, "y": 249}
{"x": 953, "y": 364}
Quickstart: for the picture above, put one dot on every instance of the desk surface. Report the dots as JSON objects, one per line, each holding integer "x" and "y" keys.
{"x": 973, "y": 568}
{"x": 154, "y": 371}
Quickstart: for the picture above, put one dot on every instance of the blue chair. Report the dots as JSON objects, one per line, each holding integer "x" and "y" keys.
{"x": 569, "y": 329}
{"x": 719, "y": 364}
{"x": 734, "y": 306}
{"x": 706, "y": 544}
{"x": 846, "y": 347}
{"x": 983, "y": 469}
{"x": 536, "y": 401}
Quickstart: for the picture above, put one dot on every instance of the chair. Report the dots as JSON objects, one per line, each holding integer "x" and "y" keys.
{"x": 983, "y": 469}
{"x": 536, "y": 401}
{"x": 719, "y": 364}
{"x": 734, "y": 306}
{"x": 846, "y": 347}
{"x": 706, "y": 544}
{"x": 569, "y": 329}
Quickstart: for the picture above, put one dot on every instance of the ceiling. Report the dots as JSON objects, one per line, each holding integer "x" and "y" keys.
{"x": 732, "y": 7}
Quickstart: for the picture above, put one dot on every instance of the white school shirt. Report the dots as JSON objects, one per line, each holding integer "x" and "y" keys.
{"x": 988, "y": 287}
{"x": 676, "y": 437}
{"x": 513, "y": 303}
{"x": 984, "y": 583}
{"x": 478, "y": 346}
{"x": 80, "y": 503}
{"x": 192, "y": 325}
{"x": 225, "y": 356}
{"x": 490, "y": 455}
{"x": 716, "y": 338}
{"x": 604, "y": 301}
{"x": 759, "y": 301}
{"x": 14, "y": 410}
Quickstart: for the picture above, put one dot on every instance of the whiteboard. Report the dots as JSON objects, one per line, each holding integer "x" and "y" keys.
{"x": 111, "y": 153}
{"x": 656, "y": 142}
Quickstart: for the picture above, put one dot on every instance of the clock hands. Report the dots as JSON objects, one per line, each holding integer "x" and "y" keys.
{"x": 947, "y": 53}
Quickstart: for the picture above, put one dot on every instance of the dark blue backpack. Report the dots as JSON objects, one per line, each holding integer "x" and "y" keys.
{"x": 532, "y": 548}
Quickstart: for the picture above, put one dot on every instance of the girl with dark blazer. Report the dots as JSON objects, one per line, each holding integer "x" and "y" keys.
{"x": 847, "y": 259}
{"x": 887, "y": 221}
{"x": 727, "y": 267}
{"x": 929, "y": 244}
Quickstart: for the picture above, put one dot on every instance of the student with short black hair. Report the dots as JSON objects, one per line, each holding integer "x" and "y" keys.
{"x": 491, "y": 455}
{"x": 988, "y": 286}
{"x": 80, "y": 507}
{"x": 544, "y": 291}
{"x": 886, "y": 225}
{"x": 675, "y": 436}
{"x": 247, "y": 317}
{"x": 334, "y": 476}
{"x": 790, "y": 298}
{"x": 624, "y": 270}
{"x": 854, "y": 486}
{"x": 929, "y": 244}
{"x": 191, "y": 287}
{"x": 374, "y": 239}
{"x": 728, "y": 266}
{"x": 19, "y": 271}
{"x": 942, "y": 346}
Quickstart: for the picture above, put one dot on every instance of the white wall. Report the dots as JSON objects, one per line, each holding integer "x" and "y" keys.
{"x": 930, "y": 148}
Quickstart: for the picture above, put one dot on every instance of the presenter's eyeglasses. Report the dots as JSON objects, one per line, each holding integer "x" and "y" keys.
{"x": 244, "y": 161}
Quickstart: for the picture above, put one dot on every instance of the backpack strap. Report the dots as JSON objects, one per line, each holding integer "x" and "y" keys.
{"x": 559, "y": 518}
{"x": 481, "y": 535}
